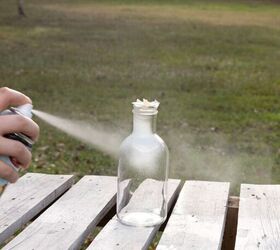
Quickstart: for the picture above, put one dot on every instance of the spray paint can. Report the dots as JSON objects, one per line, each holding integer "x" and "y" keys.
{"x": 25, "y": 110}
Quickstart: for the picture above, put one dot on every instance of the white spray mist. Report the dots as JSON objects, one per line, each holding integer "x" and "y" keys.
{"x": 188, "y": 160}
{"x": 101, "y": 139}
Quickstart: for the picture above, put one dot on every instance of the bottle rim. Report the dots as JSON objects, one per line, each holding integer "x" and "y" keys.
{"x": 144, "y": 112}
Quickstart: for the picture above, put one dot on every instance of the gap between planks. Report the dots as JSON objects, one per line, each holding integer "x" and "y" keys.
{"x": 118, "y": 236}
{"x": 198, "y": 218}
{"x": 67, "y": 223}
{"x": 23, "y": 200}
{"x": 232, "y": 205}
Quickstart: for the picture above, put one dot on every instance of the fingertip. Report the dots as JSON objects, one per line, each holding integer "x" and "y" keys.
{"x": 36, "y": 131}
{"x": 28, "y": 99}
{"x": 14, "y": 178}
{"x": 10, "y": 97}
{"x": 8, "y": 173}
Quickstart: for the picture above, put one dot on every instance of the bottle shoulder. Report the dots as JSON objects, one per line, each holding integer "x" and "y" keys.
{"x": 149, "y": 142}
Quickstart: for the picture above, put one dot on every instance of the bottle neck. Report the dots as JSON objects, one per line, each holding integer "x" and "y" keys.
{"x": 144, "y": 124}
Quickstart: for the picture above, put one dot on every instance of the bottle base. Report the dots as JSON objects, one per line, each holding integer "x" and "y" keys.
{"x": 140, "y": 219}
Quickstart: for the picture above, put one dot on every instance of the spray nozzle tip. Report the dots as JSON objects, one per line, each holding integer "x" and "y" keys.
{"x": 26, "y": 109}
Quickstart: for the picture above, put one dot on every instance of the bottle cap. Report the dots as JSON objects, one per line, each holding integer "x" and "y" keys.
{"x": 146, "y": 107}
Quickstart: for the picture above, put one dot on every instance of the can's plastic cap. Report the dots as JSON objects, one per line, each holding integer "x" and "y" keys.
{"x": 26, "y": 109}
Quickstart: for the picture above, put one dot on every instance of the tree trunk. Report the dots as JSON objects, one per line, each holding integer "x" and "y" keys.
{"x": 20, "y": 8}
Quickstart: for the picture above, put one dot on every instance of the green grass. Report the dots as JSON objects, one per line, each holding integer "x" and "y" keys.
{"x": 213, "y": 65}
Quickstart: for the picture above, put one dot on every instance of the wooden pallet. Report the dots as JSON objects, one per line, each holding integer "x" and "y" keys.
{"x": 52, "y": 213}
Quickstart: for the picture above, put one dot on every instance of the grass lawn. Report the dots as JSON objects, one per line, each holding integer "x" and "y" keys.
{"x": 213, "y": 65}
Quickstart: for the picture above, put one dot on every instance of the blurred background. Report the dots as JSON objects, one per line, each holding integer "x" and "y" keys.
{"x": 213, "y": 65}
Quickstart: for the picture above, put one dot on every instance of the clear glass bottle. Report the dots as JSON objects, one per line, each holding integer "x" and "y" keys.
{"x": 143, "y": 170}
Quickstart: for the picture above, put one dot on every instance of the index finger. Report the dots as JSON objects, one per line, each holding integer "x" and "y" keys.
{"x": 10, "y": 97}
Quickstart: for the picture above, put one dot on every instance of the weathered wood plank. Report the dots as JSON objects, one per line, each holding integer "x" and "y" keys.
{"x": 68, "y": 221}
{"x": 198, "y": 218}
{"x": 23, "y": 200}
{"x": 259, "y": 217}
{"x": 118, "y": 236}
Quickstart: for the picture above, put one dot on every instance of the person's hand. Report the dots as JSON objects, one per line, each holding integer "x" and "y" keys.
{"x": 14, "y": 124}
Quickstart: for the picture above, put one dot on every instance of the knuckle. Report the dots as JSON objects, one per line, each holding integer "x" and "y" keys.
{"x": 4, "y": 90}
{"x": 37, "y": 130}
{"x": 28, "y": 160}
{"x": 5, "y": 96}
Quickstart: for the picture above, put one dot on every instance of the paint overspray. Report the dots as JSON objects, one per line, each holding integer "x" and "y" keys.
{"x": 190, "y": 159}
{"x": 100, "y": 138}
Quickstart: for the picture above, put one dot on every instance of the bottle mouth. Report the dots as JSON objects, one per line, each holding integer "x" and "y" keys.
{"x": 145, "y": 107}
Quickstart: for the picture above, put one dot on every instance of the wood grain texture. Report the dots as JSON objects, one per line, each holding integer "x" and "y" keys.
{"x": 198, "y": 218}
{"x": 66, "y": 224}
{"x": 118, "y": 236}
{"x": 23, "y": 200}
{"x": 259, "y": 217}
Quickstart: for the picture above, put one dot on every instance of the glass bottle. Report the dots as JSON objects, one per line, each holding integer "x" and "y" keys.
{"x": 143, "y": 170}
